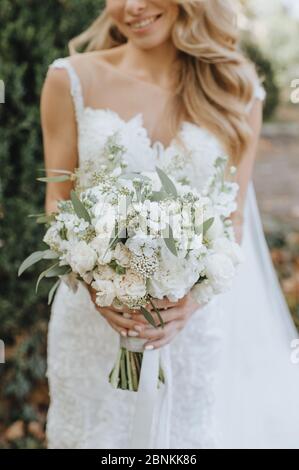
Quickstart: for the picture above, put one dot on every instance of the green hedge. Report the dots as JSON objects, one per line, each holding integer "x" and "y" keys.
{"x": 33, "y": 33}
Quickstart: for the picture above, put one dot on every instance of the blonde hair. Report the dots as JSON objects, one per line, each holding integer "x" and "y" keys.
{"x": 214, "y": 80}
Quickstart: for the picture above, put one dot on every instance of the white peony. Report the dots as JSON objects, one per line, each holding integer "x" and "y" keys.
{"x": 100, "y": 245}
{"x": 220, "y": 271}
{"x": 81, "y": 257}
{"x": 129, "y": 286}
{"x": 230, "y": 249}
{"x": 105, "y": 292}
{"x": 202, "y": 292}
{"x": 122, "y": 255}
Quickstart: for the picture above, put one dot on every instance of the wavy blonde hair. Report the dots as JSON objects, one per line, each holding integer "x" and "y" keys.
{"x": 214, "y": 80}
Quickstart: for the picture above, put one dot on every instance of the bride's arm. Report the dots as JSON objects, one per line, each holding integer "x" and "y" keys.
{"x": 59, "y": 134}
{"x": 245, "y": 167}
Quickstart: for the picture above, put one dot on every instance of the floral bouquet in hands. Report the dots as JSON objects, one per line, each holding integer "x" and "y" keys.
{"x": 136, "y": 237}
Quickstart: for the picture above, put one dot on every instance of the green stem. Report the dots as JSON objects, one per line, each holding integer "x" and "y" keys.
{"x": 129, "y": 374}
{"x": 123, "y": 371}
{"x": 114, "y": 374}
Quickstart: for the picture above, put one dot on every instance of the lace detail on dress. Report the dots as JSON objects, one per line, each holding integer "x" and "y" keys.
{"x": 75, "y": 85}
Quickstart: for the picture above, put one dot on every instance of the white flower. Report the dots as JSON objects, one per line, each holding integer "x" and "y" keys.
{"x": 104, "y": 273}
{"x": 230, "y": 249}
{"x": 105, "y": 292}
{"x": 202, "y": 292}
{"x": 142, "y": 244}
{"x": 122, "y": 255}
{"x": 220, "y": 271}
{"x": 52, "y": 237}
{"x": 105, "y": 218}
{"x": 100, "y": 244}
{"x": 130, "y": 286}
{"x": 216, "y": 229}
{"x": 81, "y": 257}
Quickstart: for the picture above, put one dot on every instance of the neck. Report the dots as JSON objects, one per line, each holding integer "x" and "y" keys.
{"x": 154, "y": 64}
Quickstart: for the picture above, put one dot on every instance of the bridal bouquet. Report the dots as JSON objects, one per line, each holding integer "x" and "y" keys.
{"x": 136, "y": 237}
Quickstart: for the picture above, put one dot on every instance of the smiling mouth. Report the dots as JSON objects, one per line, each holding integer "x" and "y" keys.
{"x": 144, "y": 23}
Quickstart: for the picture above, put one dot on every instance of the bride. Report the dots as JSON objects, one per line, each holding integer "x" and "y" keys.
{"x": 162, "y": 73}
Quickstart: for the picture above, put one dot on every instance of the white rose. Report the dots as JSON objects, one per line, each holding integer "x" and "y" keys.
{"x": 105, "y": 292}
{"x": 122, "y": 255}
{"x": 220, "y": 271}
{"x": 81, "y": 257}
{"x": 202, "y": 292}
{"x": 130, "y": 285}
{"x": 100, "y": 245}
{"x": 103, "y": 273}
{"x": 230, "y": 249}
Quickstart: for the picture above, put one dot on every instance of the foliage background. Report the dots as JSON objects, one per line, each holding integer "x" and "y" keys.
{"x": 32, "y": 35}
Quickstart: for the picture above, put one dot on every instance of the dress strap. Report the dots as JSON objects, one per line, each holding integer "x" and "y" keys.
{"x": 75, "y": 84}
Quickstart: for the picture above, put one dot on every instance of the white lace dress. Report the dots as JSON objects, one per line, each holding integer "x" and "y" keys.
{"x": 231, "y": 381}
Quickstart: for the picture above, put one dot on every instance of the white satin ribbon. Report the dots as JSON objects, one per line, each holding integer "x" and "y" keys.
{"x": 151, "y": 421}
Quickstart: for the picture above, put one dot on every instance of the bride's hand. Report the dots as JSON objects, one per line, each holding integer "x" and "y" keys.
{"x": 120, "y": 323}
{"x": 175, "y": 318}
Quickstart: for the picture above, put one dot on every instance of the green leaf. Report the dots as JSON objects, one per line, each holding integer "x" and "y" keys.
{"x": 166, "y": 182}
{"x": 49, "y": 254}
{"x": 34, "y": 258}
{"x": 157, "y": 312}
{"x": 65, "y": 172}
{"x": 169, "y": 240}
{"x": 43, "y": 274}
{"x": 45, "y": 219}
{"x": 79, "y": 208}
{"x": 148, "y": 316}
{"x": 58, "y": 271}
{"x": 54, "y": 179}
{"x": 158, "y": 196}
{"x": 53, "y": 290}
{"x": 207, "y": 224}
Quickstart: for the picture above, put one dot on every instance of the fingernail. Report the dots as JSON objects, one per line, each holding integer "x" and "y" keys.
{"x": 138, "y": 328}
{"x": 123, "y": 333}
{"x": 133, "y": 333}
{"x": 127, "y": 315}
{"x": 149, "y": 347}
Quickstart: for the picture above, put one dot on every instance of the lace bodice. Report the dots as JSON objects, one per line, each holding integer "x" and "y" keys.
{"x": 96, "y": 125}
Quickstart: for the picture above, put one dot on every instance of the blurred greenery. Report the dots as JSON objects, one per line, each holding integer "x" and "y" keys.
{"x": 32, "y": 35}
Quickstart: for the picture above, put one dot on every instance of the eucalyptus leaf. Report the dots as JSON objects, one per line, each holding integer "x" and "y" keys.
{"x": 32, "y": 259}
{"x": 53, "y": 290}
{"x": 43, "y": 274}
{"x": 157, "y": 312}
{"x": 44, "y": 219}
{"x": 58, "y": 271}
{"x": 148, "y": 316}
{"x": 166, "y": 182}
{"x": 65, "y": 172}
{"x": 79, "y": 208}
{"x": 54, "y": 179}
{"x": 158, "y": 196}
{"x": 207, "y": 224}
{"x": 169, "y": 240}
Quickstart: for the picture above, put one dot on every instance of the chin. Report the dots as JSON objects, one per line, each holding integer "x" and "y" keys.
{"x": 150, "y": 42}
